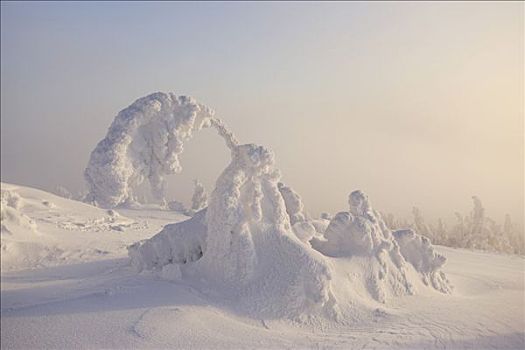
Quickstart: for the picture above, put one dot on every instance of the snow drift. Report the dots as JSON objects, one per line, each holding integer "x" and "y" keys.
{"x": 21, "y": 242}
{"x": 144, "y": 143}
{"x": 13, "y": 221}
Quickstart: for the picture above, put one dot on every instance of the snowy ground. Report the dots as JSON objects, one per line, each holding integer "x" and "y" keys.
{"x": 66, "y": 283}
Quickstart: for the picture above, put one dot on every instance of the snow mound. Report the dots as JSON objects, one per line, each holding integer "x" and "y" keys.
{"x": 418, "y": 251}
{"x": 178, "y": 243}
{"x": 144, "y": 142}
{"x": 12, "y": 219}
{"x": 393, "y": 259}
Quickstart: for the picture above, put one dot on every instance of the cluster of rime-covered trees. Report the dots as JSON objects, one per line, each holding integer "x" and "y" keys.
{"x": 475, "y": 230}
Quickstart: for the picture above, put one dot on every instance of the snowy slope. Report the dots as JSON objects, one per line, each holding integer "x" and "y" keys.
{"x": 81, "y": 292}
{"x": 42, "y": 229}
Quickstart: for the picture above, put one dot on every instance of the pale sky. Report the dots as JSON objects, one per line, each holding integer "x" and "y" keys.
{"x": 417, "y": 104}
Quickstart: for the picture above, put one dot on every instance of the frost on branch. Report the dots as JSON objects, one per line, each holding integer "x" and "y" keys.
{"x": 144, "y": 143}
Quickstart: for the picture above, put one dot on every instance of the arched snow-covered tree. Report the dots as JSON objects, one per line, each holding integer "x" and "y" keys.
{"x": 144, "y": 143}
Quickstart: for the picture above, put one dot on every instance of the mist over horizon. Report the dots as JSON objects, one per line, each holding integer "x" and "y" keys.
{"x": 424, "y": 115}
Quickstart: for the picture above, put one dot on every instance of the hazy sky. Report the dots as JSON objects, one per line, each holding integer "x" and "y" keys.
{"x": 417, "y": 104}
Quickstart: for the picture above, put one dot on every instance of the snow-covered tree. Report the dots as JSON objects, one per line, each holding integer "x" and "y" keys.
{"x": 62, "y": 192}
{"x": 144, "y": 143}
{"x": 477, "y": 218}
{"x": 475, "y": 230}
{"x": 199, "y": 200}
{"x": 440, "y": 233}
{"x": 176, "y": 206}
{"x": 419, "y": 224}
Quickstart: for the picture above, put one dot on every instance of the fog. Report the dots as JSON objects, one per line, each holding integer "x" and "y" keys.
{"x": 418, "y": 104}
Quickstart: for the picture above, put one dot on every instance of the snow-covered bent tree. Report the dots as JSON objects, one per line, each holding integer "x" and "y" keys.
{"x": 144, "y": 143}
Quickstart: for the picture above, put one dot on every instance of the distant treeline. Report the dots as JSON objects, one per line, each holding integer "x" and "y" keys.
{"x": 474, "y": 231}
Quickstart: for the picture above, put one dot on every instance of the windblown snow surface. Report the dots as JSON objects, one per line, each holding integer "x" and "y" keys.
{"x": 249, "y": 270}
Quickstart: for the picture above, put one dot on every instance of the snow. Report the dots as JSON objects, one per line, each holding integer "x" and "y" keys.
{"x": 392, "y": 259}
{"x": 418, "y": 251}
{"x": 294, "y": 204}
{"x": 144, "y": 143}
{"x": 13, "y": 220}
{"x": 178, "y": 243}
{"x": 42, "y": 229}
{"x": 199, "y": 200}
{"x": 248, "y": 249}
{"x": 81, "y": 298}
{"x": 248, "y": 268}
{"x": 101, "y": 302}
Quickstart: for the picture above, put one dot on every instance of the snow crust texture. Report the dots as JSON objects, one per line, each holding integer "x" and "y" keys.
{"x": 144, "y": 143}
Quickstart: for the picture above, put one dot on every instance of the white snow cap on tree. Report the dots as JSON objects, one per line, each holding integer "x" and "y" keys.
{"x": 144, "y": 142}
